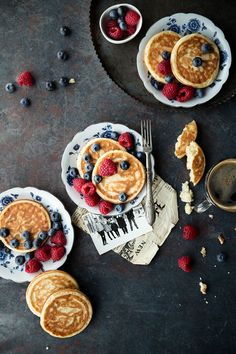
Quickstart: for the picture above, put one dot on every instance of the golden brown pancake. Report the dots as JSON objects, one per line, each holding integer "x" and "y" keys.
{"x": 188, "y": 134}
{"x": 196, "y": 162}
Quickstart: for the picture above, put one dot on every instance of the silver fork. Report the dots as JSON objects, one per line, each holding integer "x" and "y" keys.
{"x": 146, "y": 132}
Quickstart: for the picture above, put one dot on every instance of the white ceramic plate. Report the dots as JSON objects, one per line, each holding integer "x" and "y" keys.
{"x": 70, "y": 155}
{"x": 8, "y": 267}
{"x": 184, "y": 24}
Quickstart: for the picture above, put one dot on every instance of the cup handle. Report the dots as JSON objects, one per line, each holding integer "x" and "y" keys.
{"x": 200, "y": 208}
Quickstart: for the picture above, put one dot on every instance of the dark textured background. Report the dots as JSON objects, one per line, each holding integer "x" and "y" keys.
{"x": 137, "y": 310}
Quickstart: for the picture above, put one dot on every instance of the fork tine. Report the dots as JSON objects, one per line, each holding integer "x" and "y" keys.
{"x": 145, "y": 132}
{"x": 142, "y": 133}
{"x": 150, "y": 133}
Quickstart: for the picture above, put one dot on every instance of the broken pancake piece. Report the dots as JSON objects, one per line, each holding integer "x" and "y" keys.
{"x": 188, "y": 135}
{"x": 196, "y": 162}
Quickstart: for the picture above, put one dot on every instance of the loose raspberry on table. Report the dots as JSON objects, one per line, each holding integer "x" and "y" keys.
{"x": 164, "y": 67}
{"x": 33, "y": 266}
{"x": 59, "y": 238}
{"x": 107, "y": 168}
{"x": 25, "y": 79}
{"x": 92, "y": 200}
{"x": 190, "y": 232}
{"x": 115, "y": 33}
{"x": 43, "y": 253}
{"x": 88, "y": 189}
{"x": 126, "y": 140}
{"x": 105, "y": 207}
{"x": 185, "y": 263}
{"x": 132, "y": 18}
{"x": 185, "y": 94}
{"x": 78, "y": 184}
{"x": 170, "y": 90}
{"x": 57, "y": 252}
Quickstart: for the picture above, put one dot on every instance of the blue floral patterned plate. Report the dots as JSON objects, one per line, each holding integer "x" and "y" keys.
{"x": 69, "y": 160}
{"x": 186, "y": 24}
{"x": 8, "y": 267}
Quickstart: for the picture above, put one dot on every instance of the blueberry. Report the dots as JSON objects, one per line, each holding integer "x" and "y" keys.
{"x": 20, "y": 260}
{"x": 25, "y": 102}
{"x": 122, "y": 10}
{"x": 10, "y": 87}
{"x": 56, "y": 225}
{"x": 55, "y": 216}
{"x": 43, "y": 235}
{"x": 165, "y": 55}
{"x": 95, "y": 147}
{"x": 26, "y": 235}
{"x": 4, "y": 232}
{"x": 65, "y": 31}
{"x": 115, "y": 135}
{"x": 156, "y": 84}
{"x": 123, "y": 197}
{"x": 89, "y": 167}
{"x": 106, "y": 134}
{"x": 221, "y": 257}
{"x": 97, "y": 179}
{"x": 113, "y": 14}
{"x": 29, "y": 256}
{"x": 124, "y": 165}
{"x": 37, "y": 242}
{"x": 120, "y": 19}
{"x": 69, "y": 180}
{"x": 28, "y": 244}
{"x": 64, "y": 81}
{"x": 119, "y": 208}
{"x": 169, "y": 78}
{"x": 62, "y": 55}
{"x": 200, "y": 93}
{"x": 73, "y": 172}
{"x": 197, "y": 61}
{"x": 51, "y": 232}
{"x": 50, "y": 85}
{"x": 14, "y": 243}
{"x": 206, "y": 48}
{"x": 123, "y": 26}
{"x": 141, "y": 157}
{"x": 87, "y": 176}
{"x": 87, "y": 157}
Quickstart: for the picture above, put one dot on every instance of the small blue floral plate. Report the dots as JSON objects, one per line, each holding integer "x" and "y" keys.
{"x": 8, "y": 268}
{"x": 70, "y": 155}
{"x": 184, "y": 24}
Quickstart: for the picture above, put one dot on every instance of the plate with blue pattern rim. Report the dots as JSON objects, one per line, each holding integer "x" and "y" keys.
{"x": 187, "y": 23}
{"x": 8, "y": 268}
{"x": 69, "y": 160}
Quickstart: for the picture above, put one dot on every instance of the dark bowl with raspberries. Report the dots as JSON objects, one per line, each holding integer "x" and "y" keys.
{"x": 120, "y": 23}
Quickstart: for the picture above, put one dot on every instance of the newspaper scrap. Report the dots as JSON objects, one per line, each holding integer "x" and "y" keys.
{"x": 142, "y": 249}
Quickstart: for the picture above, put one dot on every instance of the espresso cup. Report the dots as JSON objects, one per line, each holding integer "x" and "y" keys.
{"x": 220, "y": 187}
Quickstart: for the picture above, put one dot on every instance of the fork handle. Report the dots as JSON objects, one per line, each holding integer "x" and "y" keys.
{"x": 149, "y": 204}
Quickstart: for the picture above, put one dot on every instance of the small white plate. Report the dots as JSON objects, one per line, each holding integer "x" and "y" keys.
{"x": 184, "y": 24}
{"x": 69, "y": 159}
{"x": 8, "y": 268}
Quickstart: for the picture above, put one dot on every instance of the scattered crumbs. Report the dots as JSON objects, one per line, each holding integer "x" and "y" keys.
{"x": 215, "y": 296}
{"x": 221, "y": 239}
{"x": 211, "y": 216}
{"x": 47, "y": 348}
{"x": 203, "y": 287}
{"x": 180, "y": 305}
{"x": 200, "y": 278}
{"x": 72, "y": 81}
{"x": 206, "y": 302}
{"x": 215, "y": 265}
{"x": 203, "y": 252}
{"x": 228, "y": 272}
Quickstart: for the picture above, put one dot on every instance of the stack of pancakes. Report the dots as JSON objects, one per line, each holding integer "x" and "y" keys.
{"x": 64, "y": 310}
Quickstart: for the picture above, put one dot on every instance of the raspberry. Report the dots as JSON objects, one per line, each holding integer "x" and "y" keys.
{"x": 107, "y": 168}
{"x": 25, "y": 79}
{"x": 43, "y": 253}
{"x": 185, "y": 94}
{"x": 88, "y": 189}
{"x": 111, "y": 23}
{"x": 92, "y": 200}
{"x": 190, "y": 232}
{"x": 126, "y": 140}
{"x": 105, "y": 207}
{"x": 184, "y": 263}
{"x": 131, "y": 30}
{"x": 59, "y": 238}
{"x": 33, "y": 266}
{"x": 57, "y": 252}
{"x": 78, "y": 184}
{"x": 164, "y": 67}
{"x": 170, "y": 90}
{"x": 132, "y": 18}
{"x": 115, "y": 32}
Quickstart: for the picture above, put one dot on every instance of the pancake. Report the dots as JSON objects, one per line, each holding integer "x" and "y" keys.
{"x": 23, "y": 215}
{"x": 183, "y": 53}
{"x": 188, "y": 134}
{"x": 196, "y": 162}
{"x": 163, "y": 41}
{"x": 44, "y": 285}
{"x": 66, "y": 313}
{"x": 105, "y": 146}
{"x": 130, "y": 181}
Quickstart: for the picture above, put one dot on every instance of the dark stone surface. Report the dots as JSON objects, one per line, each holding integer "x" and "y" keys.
{"x": 146, "y": 310}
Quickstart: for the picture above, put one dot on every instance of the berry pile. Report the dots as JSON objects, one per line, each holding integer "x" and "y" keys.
{"x": 122, "y": 23}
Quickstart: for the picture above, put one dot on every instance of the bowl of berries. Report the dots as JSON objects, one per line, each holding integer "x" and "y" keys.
{"x": 120, "y": 23}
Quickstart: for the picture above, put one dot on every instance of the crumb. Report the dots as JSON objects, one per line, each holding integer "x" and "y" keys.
{"x": 215, "y": 296}
{"x": 203, "y": 287}
{"x": 47, "y": 347}
{"x": 200, "y": 278}
{"x": 72, "y": 81}
{"x": 235, "y": 229}
{"x": 188, "y": 208}
{"x": 215, "y": 265}
{"x": 206, "y": 302}
{"x": 228, "y": 272}
{"x": 186, "y": 194}
{"x": 203, "y": 252}
{"x": 221, "y": 239}
{"x": 211, "y": 216}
